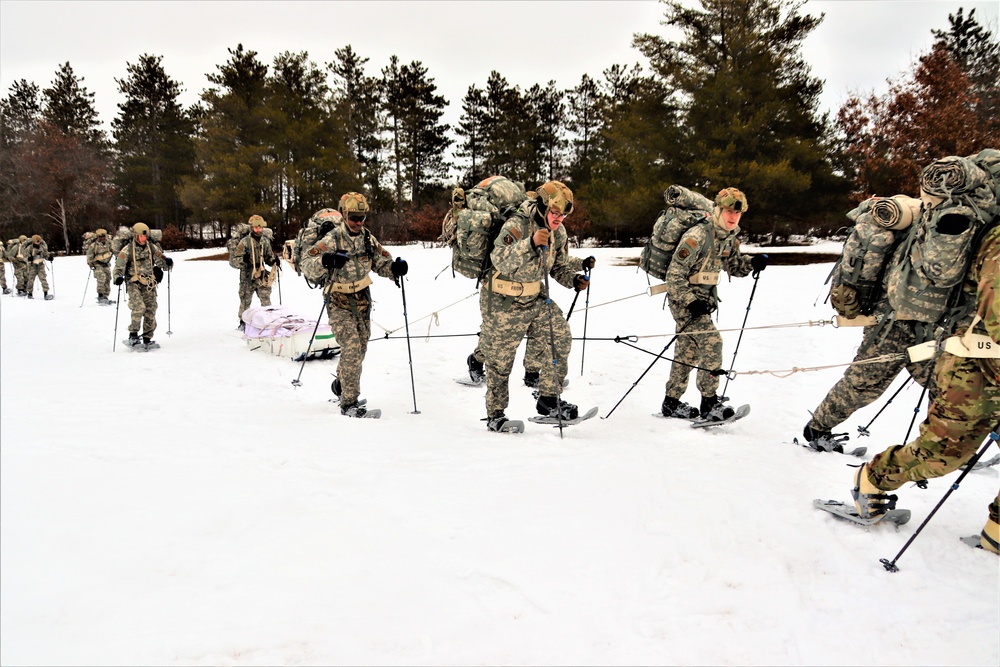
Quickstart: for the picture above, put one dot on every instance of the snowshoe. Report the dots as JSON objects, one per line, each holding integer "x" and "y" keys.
{"x": 359, "y": 411}
{"x": 845, "y": 511}
{"x": 6, "y": 290}
{"x": 335, "y": 387}
{"x": 500, "y": 424}
{"x": 554, "y": 421}
{"x": 30, "y": 296}
{"x": 477, "y": 372}
{"x": 870, "y": 500}
{"x": 678, "y": 409}
{"x": 738, "y": 413}
{"x": 547, "y": 406}
{"x": 49, "y": 297}
{"x": 22, "y": 293}
{"x": 825, "y": 441}
{"x": 988, "y": 539}
{"x": 714, "y": 409}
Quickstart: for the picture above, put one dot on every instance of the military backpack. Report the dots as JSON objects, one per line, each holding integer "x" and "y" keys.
{"x": 316, "y": 227}
{"x": 685, "y": 209}
{"x": 471, "y": 231}
{"x": 124, "y": 236}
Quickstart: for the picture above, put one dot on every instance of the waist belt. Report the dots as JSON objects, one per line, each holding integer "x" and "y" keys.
{"x": 350, "y": 288}
{"x": 142, "y": 279}
{"x": 705, "y": 278}
{"x": 859, "y": 321}
{"x": 514, "y": 288}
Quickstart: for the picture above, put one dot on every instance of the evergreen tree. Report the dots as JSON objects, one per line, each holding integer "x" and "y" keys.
{"x": 358, "y": 106}
{"x": 20, "y": 113}
{"x": 69, "y": 107}
{"x": 584, "y": 122}
{"x": 472, "y": 128}
{"x": 547, "y": 138}
{"x": 153, "y": 142}
{"x": 976, "y": 51}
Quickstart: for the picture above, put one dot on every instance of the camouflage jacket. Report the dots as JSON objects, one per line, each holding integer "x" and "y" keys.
{"x": 99, "y": 252}
{"x": 136, "y": 262}
{"x": 705, "y": 247}
{"x": 35, "y": 254}
{"x": 365, "y": 254}
{"x": 11, "y": 251}
{"x": 517, "y": 260}
{"x": 258, "y": 250}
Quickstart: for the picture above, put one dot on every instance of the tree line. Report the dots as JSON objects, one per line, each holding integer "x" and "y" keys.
{"x": 732, "y": 102}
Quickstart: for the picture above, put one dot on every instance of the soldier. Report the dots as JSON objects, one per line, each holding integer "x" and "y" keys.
{"x": 36, "y": 253}
{"x": 17, "y": 254}
{"x": 517, "y": 303}
{"x": 99, "y": 260}
{"x": 141, "y": 263}
{"x": 3, "y": 258}
{"x": 702, "y": 252}
{"x": 348, "y": 253}
{"x": 254, "y": 277}
{"x": 964, "y": 409}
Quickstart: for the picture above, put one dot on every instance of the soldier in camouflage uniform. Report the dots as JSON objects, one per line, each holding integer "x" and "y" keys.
{"x": 140, "y": 263}
{"x": 516, "y": 302}
{"x": 346, "y": 255}
{"x": 99, "y": 260}
{"x": 966, "y": 406}
{"x": 17, "y": 254}
{"x": 36, "y": 253}
{"x": 257, "y": 253}
{"x": 704, "y": 250}
{"x": 3, "y": 258}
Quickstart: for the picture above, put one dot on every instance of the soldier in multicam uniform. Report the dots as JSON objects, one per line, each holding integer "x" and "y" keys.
{"x": 702, "y": 252}
{"x": 36, "y": 253}
{"x": 349, "y": 253}
{"x": 141, "y": 263}
{"x": 965, "y": 408}
{"x": 254, "y": 277}
{"x": 99, "y": 260}
{"x": 517, "y": 303}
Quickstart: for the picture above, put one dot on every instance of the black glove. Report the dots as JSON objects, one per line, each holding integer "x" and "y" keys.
{"x": 335, "y": 260}
{"x": 759, "y": 263}
{"x": 246, "y": 261}
{"x": 158, "y": 274}
{"x": 589, "y": 262}
{"x": 699, "y": 308}
{"x": 399, "y": 267}
{"x": 170, "y": 263}
{"x": 274, "y": 261}
{"x": 581, "y": 282}
{"x": 119, "y": 280}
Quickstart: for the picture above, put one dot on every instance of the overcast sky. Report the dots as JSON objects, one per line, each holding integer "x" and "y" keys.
{"x": 858, "y": 46}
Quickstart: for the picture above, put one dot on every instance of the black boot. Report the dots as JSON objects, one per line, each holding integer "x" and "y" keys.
{"x": 133, "y": 338}
{"x": 335, "y": 387}
{"x": 353, "y": 410}
{"x": 546, "y": 406}
{"x": 713, "y": 409}
{"x": 495, "y": 423}
{"x": 674, "y": 407}
{"x": 824, "y": 441}
{"x": 242, "y": 326}
{"x": 477, "y": 372}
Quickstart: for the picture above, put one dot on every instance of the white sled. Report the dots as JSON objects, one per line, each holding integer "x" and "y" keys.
{"x": 281, "y": 332}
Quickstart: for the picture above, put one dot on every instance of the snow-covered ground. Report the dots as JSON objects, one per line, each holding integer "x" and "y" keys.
{"x": 192, "y": 506}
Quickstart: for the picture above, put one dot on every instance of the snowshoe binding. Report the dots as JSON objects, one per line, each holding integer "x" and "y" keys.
{"x": 550, "y": 406}
{"x": 499, "y": 423}
{"x": 825, "y": 441}
{"x": 675, "y": 408}
{"x": 477, "y": 372}
{"x": 359, "y": 411}
{"x": 870, "y": 501}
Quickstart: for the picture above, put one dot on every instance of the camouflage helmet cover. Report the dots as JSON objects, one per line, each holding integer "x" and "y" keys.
{"x": 36, "y": 239}
{"x": 22, "y": 238}
{"x": 353, "y": 202}
{"x": 458, "y": 197}
{"x": 101, "y": 232}
{"x": 554, "y": 196}
{"x": 731, "y": 199}
{"x": 140, "y": 228}
{"x": 257, "y": 221}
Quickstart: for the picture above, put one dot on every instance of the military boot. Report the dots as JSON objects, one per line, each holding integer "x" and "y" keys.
{"x": 676, "y": 408}
{"x": 989, "y": 539}
{"x": 133, "y": 338}
{"x": 824, "y": 441}
{"x": 496, "y": 421}
{"x": 242, "y": 326}
{"x": 714, "y": 410}
{"x": 477, "y": 372}
{"x": 48, "y": 297}
{"x": 547, "y": 407}
{"x": 353, "y": 410}
{"x": 870, "y": 500}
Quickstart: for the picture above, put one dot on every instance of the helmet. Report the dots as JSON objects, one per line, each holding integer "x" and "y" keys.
{"x": 731, "y": 199}
{"x": 554, "y": 196}
{"x": 458, "y": 198}
{"x": 140, "y": 228}
{"x": 353, "y": 202}
{"x": 101, "y": 232}
{"x": 257, "y": 221}
{"x": 22, "y": 238}
{"x": 36, "y": 239}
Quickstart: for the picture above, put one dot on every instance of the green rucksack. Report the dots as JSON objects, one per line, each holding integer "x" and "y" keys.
{"x": 237, "y": 233}
{"x": 316, "y": 227}
{"x": 124, "y": 236}
{"x": 475, "y": 227}
{"x": 685, "y": 209}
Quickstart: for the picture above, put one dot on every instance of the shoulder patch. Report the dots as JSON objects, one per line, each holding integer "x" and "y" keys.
{"x": 683, "y": 253}
{"x": 691, "y": 242}
{"x": 385, "y": 253}
{"x": 516, "y": 233}
{"x": 508, "y": 239}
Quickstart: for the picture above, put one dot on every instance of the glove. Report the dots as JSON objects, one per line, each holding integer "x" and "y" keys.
{"x": 540, "y": 237}
{"x": 274, "y": 261}
{"x": 399, "y": 267}
{"x": 170, "y": 263}
{"x": 589, "y": 263}
{"x": 844, "y": 299}
{"x": 119, "y": 280}
{"x": 699, "y": 308}
{"x": 335, "y": 260}
{"x": 158, "y": 274}
{"x": 759, "y": 263}
{"x": 246, "y": 261}
{"x": 91, "y": 266}
{"x": 581, "y": 282}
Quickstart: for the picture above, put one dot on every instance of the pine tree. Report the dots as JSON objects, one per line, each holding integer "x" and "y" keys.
{"x": 358, "y": 107}
{"x": 69, "y": 107}
{"x": 20, "y": 113}
{"x": 976, "y": 51}
{"x": 472, "y": 128}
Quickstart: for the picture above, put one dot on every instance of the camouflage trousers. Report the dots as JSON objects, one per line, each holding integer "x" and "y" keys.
{"x": 249, "y": 286}
{"x": 142, "y": 303}
{"x": 502, "y": 333}
{"x": 102, "y": 276}
{"x": 864, "y": 383}
{"x": 701, "y": 349}
{"x": 3, "y": 276}
{"x": 965, "y": 409}
{"x": 537, "y": 352}
{"x": 21, "y": 276}
{"x": 33, "y": 271}
{"x": 352, "y": 328}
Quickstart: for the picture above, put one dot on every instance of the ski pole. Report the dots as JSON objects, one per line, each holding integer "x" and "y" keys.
{"x": 648, "y": 368}
{"x": 863, "y": 430}
{"x": 740, "y": 338}
{"x": 169, "y": 332}
{"x": 543, "y": 263}
{"x": 994, "y": 436}
{"x": 409, "y": 353}
{"x": 118, "y": 304}
{"x": 297, "y": 381}
{"x": 85, "y": 286}
{"x": 442, "y": 271}
{"x": 586, "y": 313}
{"x": 916, "y": 411}
{"x": 277, "y": 268}
{"x": 53, "y": 265}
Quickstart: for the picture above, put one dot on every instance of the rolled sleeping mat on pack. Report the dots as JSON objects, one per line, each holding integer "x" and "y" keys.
{"x": 896, "y": 212}
{"x": 681, "y": 197}
{"x": 950, "y": 176}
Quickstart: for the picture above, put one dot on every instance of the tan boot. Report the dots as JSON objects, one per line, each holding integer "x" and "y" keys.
{"x": 870, "y": 500}
{"x": 989, "y": 539}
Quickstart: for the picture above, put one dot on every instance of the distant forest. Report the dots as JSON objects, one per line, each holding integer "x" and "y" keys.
{"x": 731, "y": 103}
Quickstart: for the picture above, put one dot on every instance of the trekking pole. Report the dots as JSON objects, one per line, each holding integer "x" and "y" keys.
{"x": 916, "y": 411}
{"x": 586, "y": 313}
{"x": 118, "y": 304}
{"x": 863, "y": 430}
{"x": 740, "y": 338}
{"x": 409, "y": 353}
{"x": 296, "y": 382}
{"x": 169, "y": 332}
{"x": 994, "y": 436}
{"x": 277, "y": 268}
{"x": 53, "y": 265}
{"x": 543, "y": 262}
{"x": 442, "y": 271}
{"x": 658, "y": 357}
{"x": 85, "y": 286}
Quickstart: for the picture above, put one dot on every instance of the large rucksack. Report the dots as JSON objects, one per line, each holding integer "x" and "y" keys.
{"x": 239, "y": 232}
{"x": 475, "y": 227}
{"x": 960, "y": 205}
{"x": 88, "y": 240}
{"x": 124, "y": 236}
{"x": 315, "y": 228}
{"x": 685, "y": 209}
